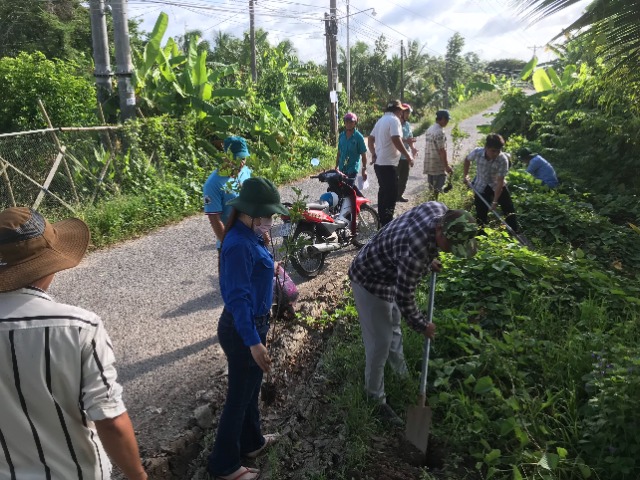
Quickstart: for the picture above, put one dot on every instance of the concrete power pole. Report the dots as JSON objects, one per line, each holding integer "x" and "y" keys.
{"x": 402, "y": 70}
{"x": 348, "y": 60}
{"x": 330, "y": 27}
{"x": 100, "y": 42}
{"x": 334, "y": 64}
{"x": 252, "y": 39}
{"x": 124, "y": 67}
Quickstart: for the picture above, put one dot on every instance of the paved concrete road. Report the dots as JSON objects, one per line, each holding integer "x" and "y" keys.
{"x": 160, "y": 301}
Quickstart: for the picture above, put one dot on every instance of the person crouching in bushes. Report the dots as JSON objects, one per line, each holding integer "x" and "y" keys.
{"x": 246, "y": 285}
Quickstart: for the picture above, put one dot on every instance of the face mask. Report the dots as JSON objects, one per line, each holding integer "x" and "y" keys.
{"x": 265, "y": 225}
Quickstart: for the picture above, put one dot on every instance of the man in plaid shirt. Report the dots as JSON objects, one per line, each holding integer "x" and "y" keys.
{"x": 492, "y": 167}
{"x": 384, "y": 277}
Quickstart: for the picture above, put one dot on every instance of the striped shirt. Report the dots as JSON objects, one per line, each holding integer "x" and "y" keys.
{"x": 436, "y": 140}
{"x": 57, "y": 377}
{"x": 488, "y": 171}
{"x": 394, "y": 261}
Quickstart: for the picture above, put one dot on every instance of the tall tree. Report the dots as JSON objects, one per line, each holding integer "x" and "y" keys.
{"x": 613, "y": 24}
{"x": 453, "y": 64}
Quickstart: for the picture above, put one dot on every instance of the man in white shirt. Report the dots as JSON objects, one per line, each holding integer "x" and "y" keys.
{"x": 385, "y": 145}
{"x": 62, "y": 411}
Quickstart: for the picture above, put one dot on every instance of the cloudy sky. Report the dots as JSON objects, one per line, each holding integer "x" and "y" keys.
{"x": 491, "y": 28}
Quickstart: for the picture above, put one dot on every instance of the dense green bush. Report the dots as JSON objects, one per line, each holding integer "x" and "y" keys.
{"x": 70, "y": 99}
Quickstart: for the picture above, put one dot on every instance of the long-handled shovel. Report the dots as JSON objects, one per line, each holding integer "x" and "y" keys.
{"x": 419, "y": 416}
{"x": 524, "y": 241}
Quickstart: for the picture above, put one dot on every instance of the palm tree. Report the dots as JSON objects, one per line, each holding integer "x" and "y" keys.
{"x": 614, "y": 25}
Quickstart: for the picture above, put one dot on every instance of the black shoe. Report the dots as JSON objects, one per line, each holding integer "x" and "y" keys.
{"x": 402, "y": 199}
{"x": 387, "y": 415}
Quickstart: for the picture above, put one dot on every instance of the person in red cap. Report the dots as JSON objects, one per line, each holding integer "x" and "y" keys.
{"x": 352, "y": 152}
{"x": 62, "y": 410}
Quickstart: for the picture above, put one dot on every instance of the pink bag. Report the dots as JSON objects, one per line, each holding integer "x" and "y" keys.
{"x": 285, "y": 293}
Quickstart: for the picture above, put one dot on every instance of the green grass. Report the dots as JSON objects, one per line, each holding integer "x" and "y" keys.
{"x": 461, "y": 111}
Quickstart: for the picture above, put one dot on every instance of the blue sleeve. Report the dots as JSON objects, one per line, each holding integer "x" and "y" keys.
{"x": 213, "y": 196}
{"x": 238, "y": 291}
{"x": 534, "y": 165}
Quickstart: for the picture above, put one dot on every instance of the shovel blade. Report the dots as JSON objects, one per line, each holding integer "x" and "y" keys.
{"x": 418, "y": 427}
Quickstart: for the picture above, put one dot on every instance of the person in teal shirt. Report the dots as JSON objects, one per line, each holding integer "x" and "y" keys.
{"x": 352, "y": 150}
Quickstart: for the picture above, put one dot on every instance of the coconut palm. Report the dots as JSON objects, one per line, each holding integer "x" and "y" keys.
{"x": 613, "y": 24}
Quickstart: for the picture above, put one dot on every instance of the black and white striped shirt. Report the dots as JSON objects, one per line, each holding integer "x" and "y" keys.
{"x": 57, "y": 376}
{"x": 394, "y": 261}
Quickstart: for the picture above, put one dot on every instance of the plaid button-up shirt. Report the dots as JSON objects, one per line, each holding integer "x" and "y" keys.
{"x": 488, "y": 171}
{"x": 392, "y": 264}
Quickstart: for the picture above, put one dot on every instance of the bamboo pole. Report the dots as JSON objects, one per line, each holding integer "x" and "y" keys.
{"x": 64, "y": 161}
{"x": 47, "y": 182}
{"x": 5, "y": 176}
{"x": 61, "y": 129}
{"x": 41, "y": 187}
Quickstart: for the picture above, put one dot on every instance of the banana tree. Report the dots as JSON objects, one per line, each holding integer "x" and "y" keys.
{"x": 169, "y": 80}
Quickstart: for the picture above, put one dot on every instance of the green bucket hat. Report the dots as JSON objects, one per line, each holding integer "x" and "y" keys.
{"x": 258, "y": 198}
{"x": 461, "y": 232}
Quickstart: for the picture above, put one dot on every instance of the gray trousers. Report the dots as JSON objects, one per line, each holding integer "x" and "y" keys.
{"x": 382, "y": 338}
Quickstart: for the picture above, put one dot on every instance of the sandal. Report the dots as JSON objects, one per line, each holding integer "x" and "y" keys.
{"x": 269, "y": 439}
{"x": 242, "y": 475}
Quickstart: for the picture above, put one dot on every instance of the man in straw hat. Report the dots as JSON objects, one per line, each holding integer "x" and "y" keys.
{"x": 58, "y": 380}
{"x": 384, "y": 277}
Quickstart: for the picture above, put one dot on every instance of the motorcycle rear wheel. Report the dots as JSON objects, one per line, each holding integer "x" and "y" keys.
{"x": 367, "y": 225}
{"x": 306, "y": 262}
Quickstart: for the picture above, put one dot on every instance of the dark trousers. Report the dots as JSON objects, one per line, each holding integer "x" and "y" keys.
{"x": 403, "y": 176}
{"x": 505, "y": 202}
{"x": 239, "y": 427}
{"x": 387, "y": 191}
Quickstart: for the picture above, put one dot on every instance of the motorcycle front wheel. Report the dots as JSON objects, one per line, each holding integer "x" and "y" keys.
{"x": 367, "y": 225}
{"x": 306, "y": 262}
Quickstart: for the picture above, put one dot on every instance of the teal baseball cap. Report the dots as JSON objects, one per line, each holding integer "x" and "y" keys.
{"x": 237, "y": 146}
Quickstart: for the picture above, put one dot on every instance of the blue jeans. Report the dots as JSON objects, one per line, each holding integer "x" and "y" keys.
{"x": 239, "y": 427}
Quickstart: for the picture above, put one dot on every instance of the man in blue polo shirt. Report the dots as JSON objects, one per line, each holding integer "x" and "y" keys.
{"x": 538, "y": 167}
{"x": 224, "y": 184}
{"x": 351, "y": 149}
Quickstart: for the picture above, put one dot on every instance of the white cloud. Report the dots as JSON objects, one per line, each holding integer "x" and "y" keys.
{"x": 491, "y": 28}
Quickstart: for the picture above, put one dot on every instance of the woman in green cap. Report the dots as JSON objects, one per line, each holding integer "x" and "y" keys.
{"x": 246, "y": 284}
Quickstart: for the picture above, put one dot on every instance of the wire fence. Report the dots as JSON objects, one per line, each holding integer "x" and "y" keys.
{"x": 56, "y": 169}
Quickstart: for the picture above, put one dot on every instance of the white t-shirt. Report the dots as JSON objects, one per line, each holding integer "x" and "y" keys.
{"x": 388, "y": 126}
{"x": 57, "y": 377}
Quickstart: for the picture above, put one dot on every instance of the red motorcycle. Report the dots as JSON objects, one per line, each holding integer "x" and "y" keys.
{"x": 341, "y": 218}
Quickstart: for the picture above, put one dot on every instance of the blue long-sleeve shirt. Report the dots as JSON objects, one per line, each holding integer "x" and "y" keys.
{"x": 246, "y": 279}
{"x": 543, "y": 171}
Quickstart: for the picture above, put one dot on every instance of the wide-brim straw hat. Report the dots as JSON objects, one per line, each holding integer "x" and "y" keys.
{"x": 258, "y": 198}
{"x": 31, "y": 248}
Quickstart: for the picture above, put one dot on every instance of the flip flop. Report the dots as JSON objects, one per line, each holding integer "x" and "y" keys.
{"x": 269, "y": 439}
{"x": 243, "y": 475}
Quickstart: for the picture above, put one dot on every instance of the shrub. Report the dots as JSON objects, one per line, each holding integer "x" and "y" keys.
{"x": 70, "y": 99}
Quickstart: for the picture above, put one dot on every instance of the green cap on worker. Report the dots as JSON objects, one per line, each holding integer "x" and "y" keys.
{"x": 237, "y": 146}
{"x": 460, "y": 228}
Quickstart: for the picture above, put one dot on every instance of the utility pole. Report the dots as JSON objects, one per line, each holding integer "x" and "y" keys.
{"x": 402, "y": 70}
{"x": 334, "y": 64}
{"x": 331, "y": 30}
{"x": 124, "y": 67}
{"x": 100, "y": 43}
{"x": 348, "y": 60}
{"x": 252, "y": 39}
{"x": 535, "y": 48}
